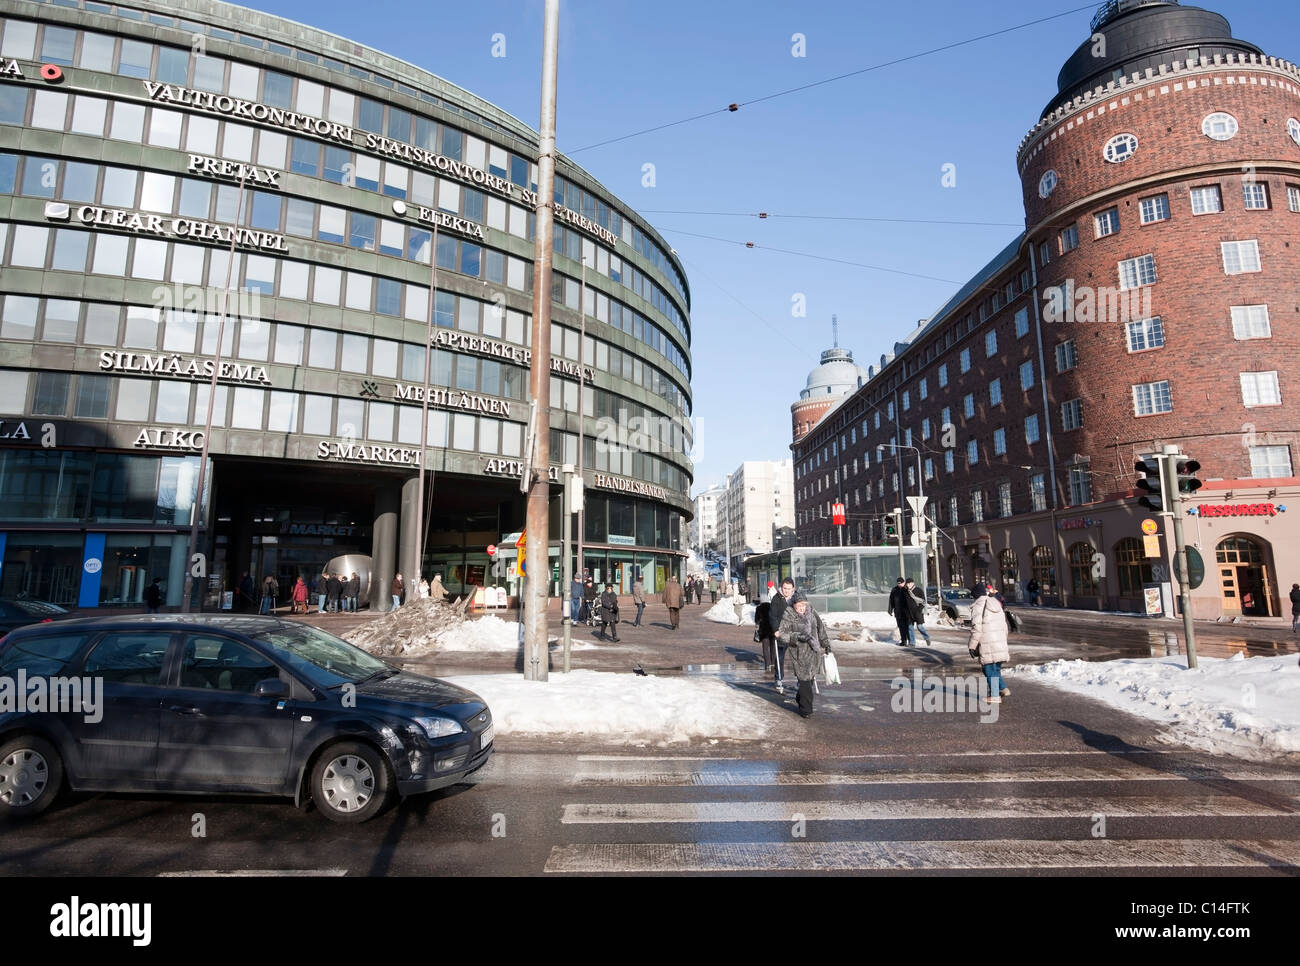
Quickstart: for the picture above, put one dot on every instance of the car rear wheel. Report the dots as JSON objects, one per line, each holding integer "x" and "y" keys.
{"x": 31, "y": 774}
{"x": 351, "y": 782}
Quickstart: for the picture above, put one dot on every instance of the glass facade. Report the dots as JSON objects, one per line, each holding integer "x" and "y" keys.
{"x": 836, "y": 579}
{"x": 361, "y": 201}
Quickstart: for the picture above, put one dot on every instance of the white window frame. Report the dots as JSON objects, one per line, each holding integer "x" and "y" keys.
{"x": 1220, "y": 126}
{"x": 1260, "y": 389}
{"x": 1240, "y": 257}
{"x": 1151, "y": 331}
{"x": 1004, "y": 499}
{"x": 1206, "y": 192}
{"x": 1266, "y": 461}
{"x": 1137, "y": 272}
{"x": 1157, "y": 206}
{"x": 1251, "y": 322}
{"x": 1150, "y": 395}
{"x": 1293, "y": 197}
{"x": 1120, "y": 148}
{"x": 1106, "y": 222}
{"x": 1067, "y": 356}
{"x": 1068, "y": 238}
{"x": 1071, "y": 414}
{"x": 1254, "y": 195}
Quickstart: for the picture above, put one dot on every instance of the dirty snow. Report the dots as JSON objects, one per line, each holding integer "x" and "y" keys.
{"x": 626, "y": 707}
{"x": 1243, "y": 706}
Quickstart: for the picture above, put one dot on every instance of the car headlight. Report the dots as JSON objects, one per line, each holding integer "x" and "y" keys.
{"x": 439, "y": 727}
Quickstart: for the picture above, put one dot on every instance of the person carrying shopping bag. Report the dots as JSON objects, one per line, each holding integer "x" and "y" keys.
{"x": 802, "y": 630}
{"x": 988, "y": 639}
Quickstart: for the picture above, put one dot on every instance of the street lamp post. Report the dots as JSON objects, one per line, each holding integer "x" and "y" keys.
{"x": 920, "y": 515}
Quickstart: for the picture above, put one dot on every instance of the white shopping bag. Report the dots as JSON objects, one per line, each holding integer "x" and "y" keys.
{"x": 832, "y": 669}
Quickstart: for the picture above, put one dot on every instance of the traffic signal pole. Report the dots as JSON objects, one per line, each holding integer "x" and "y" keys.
{"x": 1170, "y": 485}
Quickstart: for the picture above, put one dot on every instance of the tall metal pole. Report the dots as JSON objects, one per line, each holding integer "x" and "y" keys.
{"x": 566, "y": 572}
{"x": 582, "y": 391}
{"x": 197, "y": 505}
{"x": 1169, "y": 470}
{"x": 539, "y": 487}
{"x": 727, "y": 533}
{"x": 421, "y": 529}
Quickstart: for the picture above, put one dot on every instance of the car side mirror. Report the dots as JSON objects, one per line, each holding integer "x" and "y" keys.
{"x": 271, "y": 688}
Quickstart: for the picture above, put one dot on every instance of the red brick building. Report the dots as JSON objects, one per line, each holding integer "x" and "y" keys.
{"x": 1149, "y": 301}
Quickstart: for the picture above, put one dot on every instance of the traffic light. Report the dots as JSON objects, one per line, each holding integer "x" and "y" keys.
{"x": 1184, "y": 474}
{"x": 1151, "y": 483}
{"x": 892, "y": 524}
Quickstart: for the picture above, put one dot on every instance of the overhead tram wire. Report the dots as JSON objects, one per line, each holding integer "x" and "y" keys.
{"x": 732, "y": 108}
{"x": 820, "y": 258}
{"x": 761, "y": 215}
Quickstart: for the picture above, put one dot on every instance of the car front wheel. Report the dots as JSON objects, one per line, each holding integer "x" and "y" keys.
{"x": 31, "y": 774}
{"x": 351, "y": 782}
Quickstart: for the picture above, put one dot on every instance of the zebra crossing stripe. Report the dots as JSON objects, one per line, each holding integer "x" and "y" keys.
{"x": 916, "y": 856}
{"x": 769, "y": 773}
{"x": 969, "y": 809}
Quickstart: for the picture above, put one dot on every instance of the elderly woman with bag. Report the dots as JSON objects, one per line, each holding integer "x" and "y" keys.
{"x": 802, "y": 630}
{"x": 988, "y": 639}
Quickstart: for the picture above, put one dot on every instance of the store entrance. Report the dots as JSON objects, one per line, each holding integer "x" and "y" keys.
{"x": 1245, "y": 579}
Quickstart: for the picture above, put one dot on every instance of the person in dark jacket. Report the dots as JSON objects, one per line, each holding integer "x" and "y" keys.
{"x": 333, "y": 591}
{"x": 153, "y": 596}
{"x": 638, "y": 598}
{"x": 589, "y": 595}
{"x": 764, "y": 632}
{"x": 802, "y": 629}
{"x": 1295, "y": 607}
{"x": 351, "y": 591}
{"x": 916, "y": 611}
{"x": 320, "y": 587}
{"x": 780, "y": 602}
{"x": 900, "y": 610}
{"x": 575, "y": 600}
{"x": 609, "y": 613}
{"x": 246, "y": 601}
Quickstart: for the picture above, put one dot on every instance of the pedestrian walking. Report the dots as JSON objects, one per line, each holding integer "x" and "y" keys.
{"x": 765, "y": 633}
{"x": 270, "y": 591}
{"x": 609, "y": 613}
{"x": 802, "y": 629}
{"x": 916, "y": 611}
{"x": 589, "y": 595}
{"x": 1295, "y": 608}
{"x": 901, "y": 611}
{"x": 687, "y": 589}
{"x": 575, "y": 600}
{"x": 397, "y": 590}
{"x": 638, "y": 598}
{"x": 780, "y": 603}
{"x": 672, "y": 598}
{"x": 299, "y": 596}
{"x": 1032, "y": 589}
{"x": 713, "y": 590}
{"x": 988, "y": 639}
{"x": 153, "y": 597}
{"x": 246, "y": 601}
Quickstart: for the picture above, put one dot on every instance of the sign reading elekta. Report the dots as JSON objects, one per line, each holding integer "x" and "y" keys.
{"x": 149, "y": 224}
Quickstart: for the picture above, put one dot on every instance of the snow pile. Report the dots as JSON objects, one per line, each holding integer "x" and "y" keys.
{"x": 488, "y": 633}
{"x": 626, "y": 707}
{"x": 724, "y": 612}
{"x": 873, "y": 620}
{"x": 1248, "y": 707}
{"x": 414, "y": 625}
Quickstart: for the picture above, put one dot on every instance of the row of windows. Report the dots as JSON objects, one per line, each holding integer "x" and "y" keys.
{"x": 178, "y": 331}
{"x": 1266, "y": 462}
{"x": 179, "y": 403}
{"x": 73, "y": 181}
{"x": 68, "y": 249}
{"x": 181, "y": 66}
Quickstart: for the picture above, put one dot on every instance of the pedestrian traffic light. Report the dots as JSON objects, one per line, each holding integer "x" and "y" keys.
{"x": 1151, "y": 483}
{"x": 1184, "y": 474}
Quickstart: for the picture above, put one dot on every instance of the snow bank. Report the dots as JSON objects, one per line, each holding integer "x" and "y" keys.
{"x": 1248, "y": 707}
{"x": 724, "y": 612}
{"x": 627, "y": 707}
{"x": 488, "y": 633}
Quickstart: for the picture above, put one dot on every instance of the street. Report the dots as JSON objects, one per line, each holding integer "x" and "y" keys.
{"x": 1058, "y": 784}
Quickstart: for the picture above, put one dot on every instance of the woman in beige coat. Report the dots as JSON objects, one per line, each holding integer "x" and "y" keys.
{"x": 988, "y": 639}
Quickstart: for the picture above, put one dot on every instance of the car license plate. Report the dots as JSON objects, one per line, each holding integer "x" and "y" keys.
{"x": 485, "y": 738}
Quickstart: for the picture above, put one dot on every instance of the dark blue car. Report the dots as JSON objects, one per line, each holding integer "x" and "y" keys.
{"x": 222, "y": 704}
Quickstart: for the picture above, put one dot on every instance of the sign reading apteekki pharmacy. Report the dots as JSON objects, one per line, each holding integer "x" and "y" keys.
{"x": 190, "y": 229}
{"x": 515, "y": 468}
{"x": 448, "y": 339}
{"x": 171, "y": 364}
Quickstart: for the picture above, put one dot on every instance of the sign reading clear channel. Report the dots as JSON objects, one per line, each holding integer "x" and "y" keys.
{"x": 190, "y": 229}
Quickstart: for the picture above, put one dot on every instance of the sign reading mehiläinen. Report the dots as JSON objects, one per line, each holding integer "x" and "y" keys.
{"x": 170, "y": 364}
{"x": 190, "y": 229}
{"x": 452, "y": 399}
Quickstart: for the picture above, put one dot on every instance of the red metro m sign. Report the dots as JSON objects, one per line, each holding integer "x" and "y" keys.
{"x": 837, "y": 514}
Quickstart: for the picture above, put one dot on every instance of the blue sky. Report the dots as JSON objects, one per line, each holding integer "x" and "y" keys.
{"x": 869, "y": 146}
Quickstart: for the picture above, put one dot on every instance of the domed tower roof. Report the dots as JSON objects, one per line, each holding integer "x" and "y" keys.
{"x": 1132, "y": 35}
{"x": 836, "y": 375}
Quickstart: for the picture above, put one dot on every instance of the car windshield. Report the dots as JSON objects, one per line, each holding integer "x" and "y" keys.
{"x": 35, "y": 608}
{"x": 962, "y": 594}
{"x": 323, "y": 657}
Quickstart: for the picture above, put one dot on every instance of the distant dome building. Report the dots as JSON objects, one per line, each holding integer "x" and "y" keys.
{"x": 831, "y": 381}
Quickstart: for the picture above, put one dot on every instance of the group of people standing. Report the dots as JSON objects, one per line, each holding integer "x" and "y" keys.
{"x": 335, "y": 593}
{"x": 588, "y": 605}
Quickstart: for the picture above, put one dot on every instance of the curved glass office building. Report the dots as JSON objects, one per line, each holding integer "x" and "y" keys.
{"x": 139, "y": 146}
